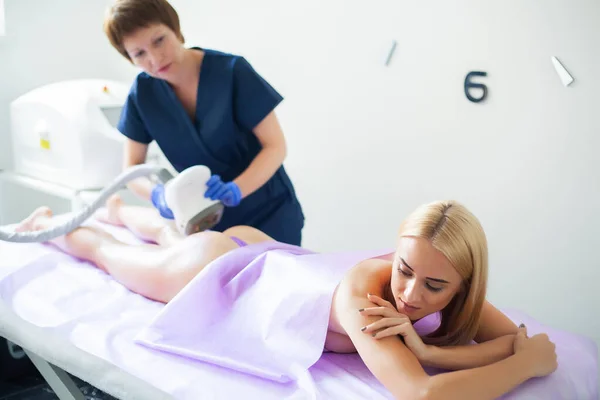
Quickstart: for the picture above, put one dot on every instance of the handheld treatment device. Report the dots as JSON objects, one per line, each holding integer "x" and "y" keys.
{"x": 184, "y": 194}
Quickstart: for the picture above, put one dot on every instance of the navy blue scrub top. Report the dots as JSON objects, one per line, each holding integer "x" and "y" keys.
{"x": 232, "y": 99}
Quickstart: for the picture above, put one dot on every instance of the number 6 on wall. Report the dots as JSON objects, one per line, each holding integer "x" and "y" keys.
{"x": 470, "y": 85}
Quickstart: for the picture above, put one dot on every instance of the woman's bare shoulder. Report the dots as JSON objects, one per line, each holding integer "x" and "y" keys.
{"x": 368, "y": 276}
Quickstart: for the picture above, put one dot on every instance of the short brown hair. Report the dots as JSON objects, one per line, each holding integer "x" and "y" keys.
{"x": 124, "y": 17}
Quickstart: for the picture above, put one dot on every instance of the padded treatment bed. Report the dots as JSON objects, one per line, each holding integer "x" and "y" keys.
{"x": 70, "y": 316}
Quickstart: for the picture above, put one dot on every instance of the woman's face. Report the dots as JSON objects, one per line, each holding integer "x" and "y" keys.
{"x": 156, "y": 49}
{"x": 423, "y": 279}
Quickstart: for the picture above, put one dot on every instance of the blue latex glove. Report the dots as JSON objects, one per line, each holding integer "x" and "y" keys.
{"x": 158, "y": 200}
{"x": 228, "y": 193}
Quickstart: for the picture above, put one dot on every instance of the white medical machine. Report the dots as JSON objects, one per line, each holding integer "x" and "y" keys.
{"x": 65, "y": 141}
{"x": 65, "y": 133}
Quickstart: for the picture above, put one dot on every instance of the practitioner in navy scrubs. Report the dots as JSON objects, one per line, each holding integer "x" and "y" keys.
{"x": 204, "y": 107}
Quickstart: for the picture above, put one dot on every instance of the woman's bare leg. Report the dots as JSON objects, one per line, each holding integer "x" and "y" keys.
{"x": 145, "y": 222}
{"x": 133, "y": 266}
{"x": 156, "y": 272}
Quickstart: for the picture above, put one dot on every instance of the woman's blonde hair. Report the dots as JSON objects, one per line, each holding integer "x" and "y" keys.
{"x": 457, "y": 233}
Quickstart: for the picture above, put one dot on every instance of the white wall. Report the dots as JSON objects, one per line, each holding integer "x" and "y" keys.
{"x": 368, "y": 142}
{"x": 1, "y": 17}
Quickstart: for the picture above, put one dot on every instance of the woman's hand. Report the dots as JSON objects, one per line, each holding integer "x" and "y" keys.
{"x": 394, "y": 323}
{"x": 538, "y": 351}
{"x": 228, "y": 193}
{"x": 158, "y": 200}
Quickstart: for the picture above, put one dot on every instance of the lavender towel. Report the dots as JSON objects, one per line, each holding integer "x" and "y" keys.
{"x": 261, "y": 309}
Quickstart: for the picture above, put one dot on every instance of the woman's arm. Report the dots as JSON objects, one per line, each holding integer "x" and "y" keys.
{"x": 495, "y": 340}
{"x": 398, "y": 369}
{"x": 134, "y": 154}
{"x": 469, "y": 356}
{"x": 268, "y": 160}
{"x": 489, "y": 382}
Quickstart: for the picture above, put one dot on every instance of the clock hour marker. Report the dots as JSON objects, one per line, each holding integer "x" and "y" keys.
{"x": 563, "y": 74}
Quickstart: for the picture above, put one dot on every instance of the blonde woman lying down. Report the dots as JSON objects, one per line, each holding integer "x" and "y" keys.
{"x": 440, "y": 265}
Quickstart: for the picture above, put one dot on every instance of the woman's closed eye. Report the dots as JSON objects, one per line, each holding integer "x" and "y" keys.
{"x": 433, "y": 288}
{"x": 405, "y": 273}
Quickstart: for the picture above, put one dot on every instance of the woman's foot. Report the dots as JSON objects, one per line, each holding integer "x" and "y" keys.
{"x": 110, "y": 213}
{"x": 36, "y": 221}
